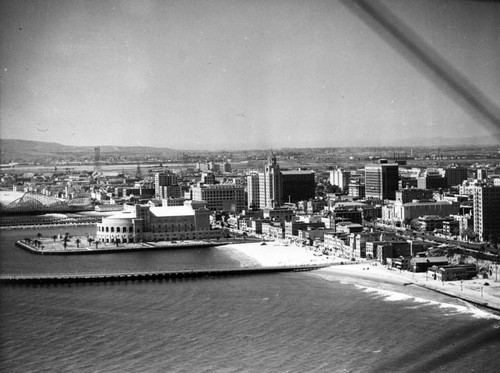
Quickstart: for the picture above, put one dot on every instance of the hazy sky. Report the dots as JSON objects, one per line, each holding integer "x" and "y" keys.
{"x": 237, "y": 74}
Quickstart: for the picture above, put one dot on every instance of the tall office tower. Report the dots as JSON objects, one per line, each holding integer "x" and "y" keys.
{"x": 340, "y": 178}
{"x": 486, "y": 210}
{"x": 253, "y": 201}
{"x": 381, "y": 180}
{"x": 298, "y": 185}
{"x": 482, "y": 174}
{"x": 167, "y": 185}
{"x": 270, "y": 187}
{"x": 455, "y": 176}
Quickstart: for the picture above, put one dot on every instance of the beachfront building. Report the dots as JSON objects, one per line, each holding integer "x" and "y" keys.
{"x": 486, "y": 211}
{"x": 456, "y": 272}
{"x": 139, "y": 223}
{"x": 273, "y": 230}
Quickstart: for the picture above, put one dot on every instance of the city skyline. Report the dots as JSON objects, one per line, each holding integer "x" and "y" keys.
{"x": 213, "y": 75}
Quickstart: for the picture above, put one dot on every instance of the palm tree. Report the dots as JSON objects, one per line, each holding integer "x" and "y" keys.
{"x": 77, "y": 243}
{"x": 39, "y": 235}
{"x": 54, "y": 238}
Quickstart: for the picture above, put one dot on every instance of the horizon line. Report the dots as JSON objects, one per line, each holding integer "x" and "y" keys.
{"x": 459, "y": 142}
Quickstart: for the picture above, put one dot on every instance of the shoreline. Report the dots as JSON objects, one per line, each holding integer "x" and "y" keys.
{"x": 472, "y": 291}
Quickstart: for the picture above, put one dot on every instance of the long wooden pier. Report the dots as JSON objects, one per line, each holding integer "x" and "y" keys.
{"x": 148, "y": 275}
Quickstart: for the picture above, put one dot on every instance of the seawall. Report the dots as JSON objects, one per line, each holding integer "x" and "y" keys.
{"x": 118, "y": 249}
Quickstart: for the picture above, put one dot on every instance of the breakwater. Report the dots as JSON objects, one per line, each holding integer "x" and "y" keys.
{"x": 149, "y": 275}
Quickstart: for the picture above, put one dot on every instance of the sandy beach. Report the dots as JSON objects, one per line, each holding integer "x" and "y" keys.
{"x": 274, "y": 254}
{"x": 477, "y": 291}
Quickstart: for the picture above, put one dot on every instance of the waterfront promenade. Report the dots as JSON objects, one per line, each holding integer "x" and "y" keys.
{"x": 57, "y": 247}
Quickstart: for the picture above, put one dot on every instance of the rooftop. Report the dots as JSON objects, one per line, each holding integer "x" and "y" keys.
{"x": 165, "y": 211}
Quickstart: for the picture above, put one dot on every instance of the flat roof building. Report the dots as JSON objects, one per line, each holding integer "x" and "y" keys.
{"x": 381, "y": 181}
{"x": 486, "y": 208}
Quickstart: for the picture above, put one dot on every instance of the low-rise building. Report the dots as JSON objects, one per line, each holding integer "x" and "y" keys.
{"x": 272, "y": 230}
{"x": 220, "y": 197}
{"x": 456, "y": 272}
{"x": 431, "y": 223}
{"x": 279, "y": 214}
{"x": 422, "y": 264}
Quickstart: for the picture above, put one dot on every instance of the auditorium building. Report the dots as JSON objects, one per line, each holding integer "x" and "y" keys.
{"x": 140, "y": 223}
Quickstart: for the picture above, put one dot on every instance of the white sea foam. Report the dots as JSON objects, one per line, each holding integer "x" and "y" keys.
{"x": 392, "y": 296}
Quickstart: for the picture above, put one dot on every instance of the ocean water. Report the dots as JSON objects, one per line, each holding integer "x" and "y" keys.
{"x": 284, "y": 322}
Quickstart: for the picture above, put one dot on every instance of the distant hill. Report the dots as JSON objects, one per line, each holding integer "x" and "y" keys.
{"x": 25, "y": 150}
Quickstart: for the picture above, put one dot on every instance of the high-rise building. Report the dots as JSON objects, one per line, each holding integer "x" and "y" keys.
{"x": 273, "y": 187}
{"x": 381, "y": 180}
{"x": 298, "y": 185}
{"x": 486, "y": 208}
{"x": 340, "y": 178}
{"x": 166, "y": 185}
{"x": 270, "y": 186}
{"x": 455, "y": 176}
{"x": 253, "y": 191}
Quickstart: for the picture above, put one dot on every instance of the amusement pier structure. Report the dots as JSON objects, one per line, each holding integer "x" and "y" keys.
{"x": 34, "y": 203}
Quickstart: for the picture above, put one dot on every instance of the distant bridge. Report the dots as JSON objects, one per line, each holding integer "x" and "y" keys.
{"x": 149, "y": 275}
